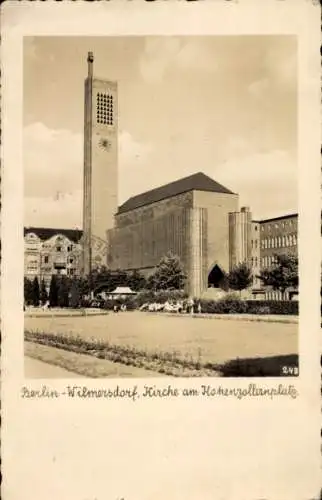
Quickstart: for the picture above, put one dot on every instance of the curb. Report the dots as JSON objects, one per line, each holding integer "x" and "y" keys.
{"x": 231, "y": 317}
{"x": 65, "y": 315}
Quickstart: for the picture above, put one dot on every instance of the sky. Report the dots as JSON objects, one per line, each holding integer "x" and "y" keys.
{"x": 223, "y": 105}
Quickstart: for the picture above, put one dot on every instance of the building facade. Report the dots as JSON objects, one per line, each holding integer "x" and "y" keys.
{"x": 278, "y": 236}
{"x": 100, "y": 184}
{"x": 189, "y": 218}
{"x": 195, "y": 218}
{"x": 142, "y": 236}
{"x": 52, "y": 251}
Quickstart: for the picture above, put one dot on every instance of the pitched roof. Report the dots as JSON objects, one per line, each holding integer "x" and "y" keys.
{"x": 44, "y": 233}
{"x": 281, "y": 217}
{"x": 123, "y": 290}
{"x": 196, "y": 182}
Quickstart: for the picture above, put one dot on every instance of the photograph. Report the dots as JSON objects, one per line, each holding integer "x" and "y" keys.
{"x": 160, "y": 206}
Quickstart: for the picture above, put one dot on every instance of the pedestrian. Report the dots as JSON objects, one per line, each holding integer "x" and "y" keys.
{"x": 199, "y": 308}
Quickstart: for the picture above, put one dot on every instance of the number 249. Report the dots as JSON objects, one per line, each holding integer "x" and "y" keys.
{"x": 290, "y": 370}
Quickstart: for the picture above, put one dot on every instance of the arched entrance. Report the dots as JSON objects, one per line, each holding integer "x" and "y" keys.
{"x": 216, "y": 277}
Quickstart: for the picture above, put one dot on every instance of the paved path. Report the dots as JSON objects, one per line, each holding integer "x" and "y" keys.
{"x": 38, "y": 369}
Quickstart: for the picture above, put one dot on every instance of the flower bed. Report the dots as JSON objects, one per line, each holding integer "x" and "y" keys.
{"x": 169, "y": 363}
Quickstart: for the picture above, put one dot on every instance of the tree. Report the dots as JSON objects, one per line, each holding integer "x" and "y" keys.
{"x": 75, "y": 292}
{"x": 136, "y": 281}
{"x": 43, "y": 292}
{"x": 240, "y": 277}
{"x": 28, "y": 294}
{"x": 35, "y": 292}
{"x": 53, "y": 291}
{"x": 63, "y": 292}
{"x": 168, "y": 275}
{"x": 283, "y": 275}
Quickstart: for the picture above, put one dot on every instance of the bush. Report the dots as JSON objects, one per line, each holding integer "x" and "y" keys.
{"x": 233, "y": 306}
{"x": 227, "y": 305}
{"x": 150, "y": 296}
{"x": 273, "y": 307}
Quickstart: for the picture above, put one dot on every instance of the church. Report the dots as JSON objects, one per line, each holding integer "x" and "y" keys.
{"x": 195, "y": 217}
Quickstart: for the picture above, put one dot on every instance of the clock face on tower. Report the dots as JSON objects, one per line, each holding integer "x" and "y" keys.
{"x": 104, "y": 144}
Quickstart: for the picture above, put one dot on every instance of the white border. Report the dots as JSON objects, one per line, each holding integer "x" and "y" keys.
{"x": 190, "y": 449}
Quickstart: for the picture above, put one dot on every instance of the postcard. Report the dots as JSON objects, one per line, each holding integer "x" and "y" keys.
{"x": 161, "y": 258}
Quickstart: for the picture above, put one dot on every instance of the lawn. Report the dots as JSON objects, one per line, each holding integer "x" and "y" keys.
{"x": 209, "y": 340}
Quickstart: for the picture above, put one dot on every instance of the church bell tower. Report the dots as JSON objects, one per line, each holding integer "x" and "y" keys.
{"x": 100, "y": 182}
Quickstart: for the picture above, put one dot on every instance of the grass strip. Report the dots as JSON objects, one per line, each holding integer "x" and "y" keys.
{"x": 163, "y": 362}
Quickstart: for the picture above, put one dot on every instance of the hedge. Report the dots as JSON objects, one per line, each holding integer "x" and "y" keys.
{"x": 223, "y": 306}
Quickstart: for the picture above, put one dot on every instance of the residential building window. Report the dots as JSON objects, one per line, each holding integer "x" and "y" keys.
{"x": 255, "y": 228}
{"x": 269, "y": 242}
{"x": 46, "y": 259}
{"x": 69, "y": 248}
{"x": 58, "y": 249}
{"x": 279, "y": 242}
{"x": 255, "y": 261}
{"x": 252, "y": 244}
{"x": 255, "y": 243}
{"x": 283, "y": 241}
{"x": 71, "y": 260}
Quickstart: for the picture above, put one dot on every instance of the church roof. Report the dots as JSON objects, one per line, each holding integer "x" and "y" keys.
{"x": 44, "y": 233}
{"x": 195, "y": 182}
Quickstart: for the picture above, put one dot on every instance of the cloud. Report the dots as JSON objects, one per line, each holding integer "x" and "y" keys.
{"x": 258, "y": 88}
{"x": 53, "y": 168}
{"x": 280, "y": 63}
{"x": 64, "y": 211}
{"x": 132, "y": 152}
{"x": 263, "y": 181}
{"x": 161, "y": 54}
{"x": 53, "y": 161}
{"x": 134, "y": 165}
